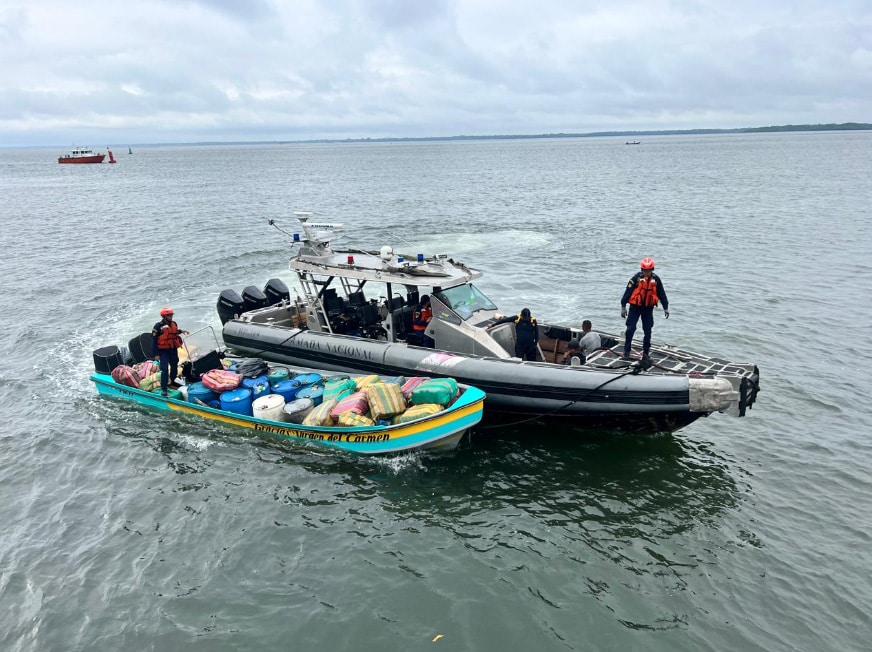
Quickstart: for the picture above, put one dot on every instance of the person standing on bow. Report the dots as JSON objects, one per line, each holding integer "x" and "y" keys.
{"x": 166, "y": 340}
{"x": 421, "y": 319}
{"x": 526, "y": 334}
{"x": 644, "y": 291}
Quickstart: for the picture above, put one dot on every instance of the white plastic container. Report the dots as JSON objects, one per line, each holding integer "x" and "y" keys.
{"x": 269, "y": 406}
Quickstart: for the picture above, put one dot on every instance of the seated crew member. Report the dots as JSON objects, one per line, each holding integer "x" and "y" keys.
{"x": 589, "y": 341}
{"x": 420, "y": 319}
{"x": 574, "y": 350}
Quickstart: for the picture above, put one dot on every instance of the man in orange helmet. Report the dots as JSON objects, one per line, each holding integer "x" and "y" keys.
{"x": 166, "y": 336}
{"x": 643, "y": 292}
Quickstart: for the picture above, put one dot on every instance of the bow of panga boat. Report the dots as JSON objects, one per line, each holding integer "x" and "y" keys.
{"x": 353, "y": 312}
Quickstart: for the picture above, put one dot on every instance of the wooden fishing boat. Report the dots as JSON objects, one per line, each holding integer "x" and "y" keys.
{"x": 441, "y": 431}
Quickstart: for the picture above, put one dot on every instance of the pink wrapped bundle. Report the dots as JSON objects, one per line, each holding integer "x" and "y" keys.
{"x": 355, "y": 402}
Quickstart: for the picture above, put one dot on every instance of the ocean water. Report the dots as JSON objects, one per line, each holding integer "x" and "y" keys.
{"x": 130, "y": 529}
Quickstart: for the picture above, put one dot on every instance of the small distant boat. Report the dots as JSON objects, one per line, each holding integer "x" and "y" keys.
{"x": 633, "y": 142}
{"x": 82, "y": 155}
{"x": 129, "y": 150}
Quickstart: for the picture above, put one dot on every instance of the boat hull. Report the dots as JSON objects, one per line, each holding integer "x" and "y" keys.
{"x": 97, "y": 158}
{"x": 441, "y": 431}
{"x": 621, "y": 399}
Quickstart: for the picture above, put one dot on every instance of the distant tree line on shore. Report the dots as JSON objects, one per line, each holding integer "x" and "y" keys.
{"x": 844, "y": 126}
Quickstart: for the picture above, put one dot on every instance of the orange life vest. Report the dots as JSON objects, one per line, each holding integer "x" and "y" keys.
{"x": 421, "y": 318}
{"x": 645, "y": 292}
{"x": 169, "y": 337}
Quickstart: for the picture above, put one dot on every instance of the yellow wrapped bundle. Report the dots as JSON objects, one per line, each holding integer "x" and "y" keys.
{"x": 353, "y": 419}
{"x": 385, "y": 400}
{"x": 320, "y": 416}
{"x": 365, "y": 381}
{"x": 417, "y": 411}
{"x": 150, "y": 383}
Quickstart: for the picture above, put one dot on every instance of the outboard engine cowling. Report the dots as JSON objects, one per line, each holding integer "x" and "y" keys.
{"x": 142, "y": 347}
{"x": 276, "y": 291}
{"x": 253, "y": 298}
{"x": 230, "y": 304}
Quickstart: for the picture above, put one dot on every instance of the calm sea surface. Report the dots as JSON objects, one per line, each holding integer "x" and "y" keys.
{"x": 126, "y": 529}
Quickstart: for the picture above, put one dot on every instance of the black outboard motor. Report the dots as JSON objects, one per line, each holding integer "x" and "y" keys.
{"x": 230, "y": 304}
{"x": 107, "y": 358}
{"x": 253, "y": 298}
{"x": 275, "y": 291}
{"x": 141, "y": 347}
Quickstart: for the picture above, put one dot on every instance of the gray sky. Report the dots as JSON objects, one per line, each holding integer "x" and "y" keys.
{"x": 145, "y": 71}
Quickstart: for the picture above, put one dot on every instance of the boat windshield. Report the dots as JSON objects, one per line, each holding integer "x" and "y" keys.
{"x": 465, "y": 300}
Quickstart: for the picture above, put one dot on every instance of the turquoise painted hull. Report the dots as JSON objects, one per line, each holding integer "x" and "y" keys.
{"x": 441, "y": 431}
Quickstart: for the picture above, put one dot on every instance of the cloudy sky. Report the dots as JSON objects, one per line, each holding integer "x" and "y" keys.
{"x": 157, "y": 71}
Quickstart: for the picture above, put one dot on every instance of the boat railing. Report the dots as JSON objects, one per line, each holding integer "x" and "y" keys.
{"x": 197, "y": 332}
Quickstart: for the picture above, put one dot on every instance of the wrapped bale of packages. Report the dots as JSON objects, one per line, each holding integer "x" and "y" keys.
{"x": 353, "y": 419}
{"x": 410, "y": 384}
{"x": 363, "y": 382}
{"x": 126, "y": 375}
{"x": 320, "y": 416}
{"x": 385, "y": 400}
{"x": 221, "y": 380}
{"x": 355, "y": 402}
{"x": 146, "y": 369}
{"x": 150, "y": 383}
{"x": 417, "y": 411}
{"x": 435, "y": 390}
{"x": 338, "y": 387}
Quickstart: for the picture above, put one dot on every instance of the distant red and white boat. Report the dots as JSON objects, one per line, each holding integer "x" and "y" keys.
{"x": 84, "y": 155}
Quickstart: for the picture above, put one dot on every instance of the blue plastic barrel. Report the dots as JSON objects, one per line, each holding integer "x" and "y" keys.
{"x": 306, "y": 380}
{"x": 314, "y": 392}
{"x": 287, "y": 388}
{"x": 278, "y": 374}
{"x": 201, "y": 392}
{"x": 237, "y": 400}
{"x": 259, "y": 386}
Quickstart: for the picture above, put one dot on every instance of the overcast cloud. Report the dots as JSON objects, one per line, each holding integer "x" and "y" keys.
{"x": 149, "y": 71}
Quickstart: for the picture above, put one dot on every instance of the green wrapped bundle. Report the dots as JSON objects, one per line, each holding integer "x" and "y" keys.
{"x": 435, "y": 390}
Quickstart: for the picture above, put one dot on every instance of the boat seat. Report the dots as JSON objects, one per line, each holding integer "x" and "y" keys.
{"x": 556, "y": 332}
{"x": 356, "y": 299}
{"x": 395, "y": 303}
{"x": 369, "y": 314}
{"x": 333, "y": 304}
{"x": 402, "y": 320}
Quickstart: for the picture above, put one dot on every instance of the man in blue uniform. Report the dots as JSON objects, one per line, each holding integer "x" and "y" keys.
{"x": 643, "y": 292}
{"x": 166, "y": 339}
{"x": 526, "y": 334}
